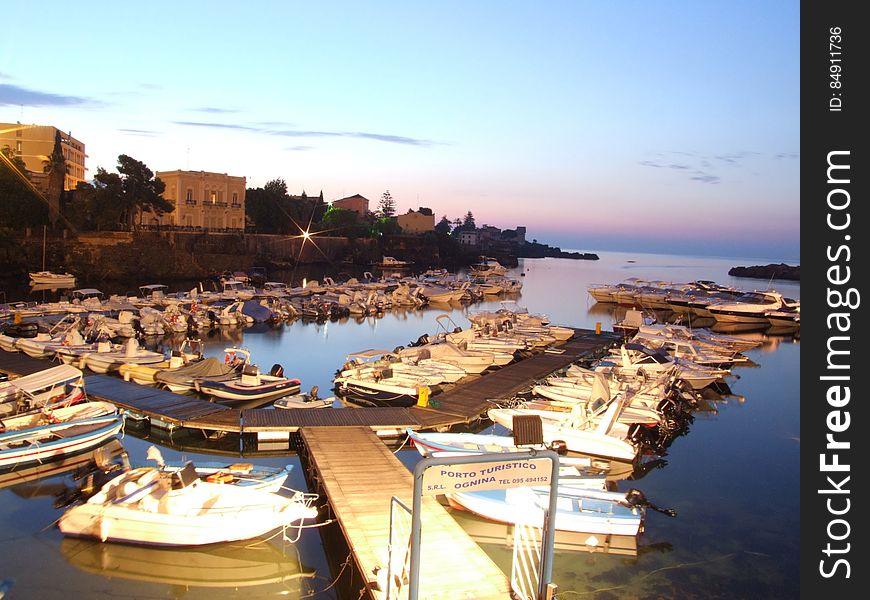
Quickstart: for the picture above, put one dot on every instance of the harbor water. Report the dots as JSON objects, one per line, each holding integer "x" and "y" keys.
{"x": 732, "y": 476}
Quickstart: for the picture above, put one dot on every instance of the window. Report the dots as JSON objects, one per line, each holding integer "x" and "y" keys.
{"x": 213, "y": 197}
{"x": 189, "y": 196}
{"x": 235, "y": 197}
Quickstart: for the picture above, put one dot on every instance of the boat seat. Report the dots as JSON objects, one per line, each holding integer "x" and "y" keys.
{"x": 184, "y": 476}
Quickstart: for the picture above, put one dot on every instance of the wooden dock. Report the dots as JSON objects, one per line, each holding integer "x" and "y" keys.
{"x": 464, "y": 403}
{"x": 350, "y": 466}
{"x": 359, "y": 475}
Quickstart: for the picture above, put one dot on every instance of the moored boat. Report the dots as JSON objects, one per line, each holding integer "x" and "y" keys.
{"x": 47, "y": 434}
{"x": 150, "y": 507}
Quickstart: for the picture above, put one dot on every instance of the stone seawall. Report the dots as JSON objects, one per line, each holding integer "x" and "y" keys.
{"x": 179, "y": 255}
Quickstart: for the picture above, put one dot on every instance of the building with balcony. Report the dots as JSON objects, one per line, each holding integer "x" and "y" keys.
{"x": 212, "y": 201}
{"x": 34, "y": 145}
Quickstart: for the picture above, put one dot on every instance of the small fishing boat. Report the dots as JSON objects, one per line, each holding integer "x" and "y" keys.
{"x": 153, "y": 507}
{"x": 260, "y": 477}
{"x": 248, "y": 384}
{"x": 38, "y": 389}
{"x": 52, "y": 432}
{"x": 108, "y": 362}
{"x": 51, "y": 278}
{"x": 309, "y": 400}
{"x": 577, "y": 509}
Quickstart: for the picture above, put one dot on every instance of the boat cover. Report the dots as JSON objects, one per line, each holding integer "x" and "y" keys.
{"x": 256, "y": 311}
{"x": 210, "y": 367}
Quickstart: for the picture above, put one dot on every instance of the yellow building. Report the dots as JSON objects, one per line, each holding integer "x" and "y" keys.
{"x": 417, "y": 221}
{"x": 357, "y": 203}
{"x": 35, "y": 143}
{"x": 214, "y": 201}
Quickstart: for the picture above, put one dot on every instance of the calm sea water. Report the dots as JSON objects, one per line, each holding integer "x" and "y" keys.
{"x": 732, "y": 478}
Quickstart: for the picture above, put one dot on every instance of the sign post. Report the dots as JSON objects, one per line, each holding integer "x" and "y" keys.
{"x": 442, "y": 475}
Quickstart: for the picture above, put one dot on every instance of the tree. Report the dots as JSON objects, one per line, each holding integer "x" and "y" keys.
{"x": 141, "y": 191}
{"x": 342, "y": 222}
{"x": 443, "y": 226}
{"x": 20, "y": 204}
{"x": 97, "y": 206}
{"x": 386, "y": 206}
{"x": 271, "y": 209}
{"x": 468, "y": 222}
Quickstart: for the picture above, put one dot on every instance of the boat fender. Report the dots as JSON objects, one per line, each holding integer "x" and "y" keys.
{"x": 276, "y": 370}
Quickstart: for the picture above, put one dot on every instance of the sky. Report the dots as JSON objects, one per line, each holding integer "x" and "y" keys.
{"x": 665, "y": 126}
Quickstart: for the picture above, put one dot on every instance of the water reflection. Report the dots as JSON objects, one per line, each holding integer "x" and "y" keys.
{"x": 727, "y": 540}
{"x": 272, "y": 566}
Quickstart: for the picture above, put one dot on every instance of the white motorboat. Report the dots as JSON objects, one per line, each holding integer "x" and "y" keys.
{"x": 786, "y": 319}
{"x": 53, "y": 279}
{"x": 638, "y": 360}
{"x": 152, "y": 507}
{"x": 309, "y": 400}
{"x": 607, "y": 438}
{"x": 244, "y": 474}
{"x": 751, "y": 308}
{"x": 577, "y": 509}
{"x": 107, "y": 362}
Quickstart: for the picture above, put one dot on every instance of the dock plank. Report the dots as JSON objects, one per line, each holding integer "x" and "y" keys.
{"x": 360, "y": 475}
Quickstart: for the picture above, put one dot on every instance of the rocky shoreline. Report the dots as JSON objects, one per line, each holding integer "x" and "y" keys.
{"x": 771, "y": 271}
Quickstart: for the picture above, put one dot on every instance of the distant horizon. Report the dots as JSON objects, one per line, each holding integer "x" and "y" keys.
{"x": 758, "y": 260}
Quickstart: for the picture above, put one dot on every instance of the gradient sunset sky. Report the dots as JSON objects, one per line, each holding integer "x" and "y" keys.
{"x": 651, "y": 126}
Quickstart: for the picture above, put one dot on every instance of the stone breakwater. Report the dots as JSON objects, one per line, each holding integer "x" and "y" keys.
{"x": 771, "y": 271}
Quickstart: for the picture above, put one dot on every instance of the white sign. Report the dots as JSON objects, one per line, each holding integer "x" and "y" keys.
{"x": 443, "y": 479}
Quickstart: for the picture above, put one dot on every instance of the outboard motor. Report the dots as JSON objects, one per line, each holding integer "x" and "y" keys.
{"x": 421, "y": 341}
{"x": 137, "y": 326}
{"x": 559, "y": 447}
{"x": 635, "y": 497}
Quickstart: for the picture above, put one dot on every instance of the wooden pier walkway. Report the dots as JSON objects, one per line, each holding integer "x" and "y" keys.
{"x": 351, "y": 467}
{"x": 359, "y": 475}
{"x": 465, "y": 402}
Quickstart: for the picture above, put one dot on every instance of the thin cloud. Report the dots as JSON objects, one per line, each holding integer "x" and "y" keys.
{"x": 5, "y": 76}
{"x": 395, "y": 139}
{"x": 216, "y": 125}
{"x": 14, "y": 95}
{"x": 650, "y": 163}
{"x": 301, "y": 133}
{"x": 299, "y": 148}
{"x": 298, "y": 133}
{"x": 787, "y": 155}
{"x": 142, "y": 132}
{"x": 699, "y": 167}
{"x": 706, "y": 178}
{"x": 215, "y": 110}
